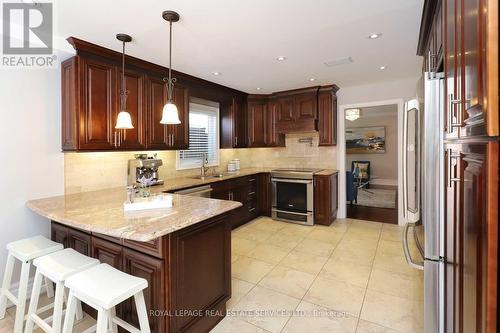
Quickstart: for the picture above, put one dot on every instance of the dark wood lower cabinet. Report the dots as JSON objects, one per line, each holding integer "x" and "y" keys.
{"x": 325, "y": 198}
{"x": 471, "y": 237}
{"x": 188, "y": 272}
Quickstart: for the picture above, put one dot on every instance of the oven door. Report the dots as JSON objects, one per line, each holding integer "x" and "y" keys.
{"x": 293, "y": 200}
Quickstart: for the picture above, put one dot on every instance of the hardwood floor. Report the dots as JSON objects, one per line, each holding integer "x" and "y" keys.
{"x": 377, "y": 214}
{"x": 384, "y": 215}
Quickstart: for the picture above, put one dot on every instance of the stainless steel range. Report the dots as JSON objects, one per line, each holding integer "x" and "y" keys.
{"x": 293, "y": 199}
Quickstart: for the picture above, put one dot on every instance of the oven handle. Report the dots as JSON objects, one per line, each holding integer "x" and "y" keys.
{"x": 286, "y": 180}
{"x": 289, "y": 212}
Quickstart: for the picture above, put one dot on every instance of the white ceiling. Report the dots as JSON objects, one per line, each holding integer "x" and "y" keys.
{"x": 241, "y": 39}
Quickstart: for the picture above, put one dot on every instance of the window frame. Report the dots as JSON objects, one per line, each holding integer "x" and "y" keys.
{"x": 215, "y": 163}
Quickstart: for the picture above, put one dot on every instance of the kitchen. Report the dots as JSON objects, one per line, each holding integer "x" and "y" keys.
{"x": 243, "y": 157}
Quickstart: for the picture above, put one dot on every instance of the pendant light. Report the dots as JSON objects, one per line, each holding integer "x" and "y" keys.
{"x": 170, "y": 114}
{"x": 123, "y": 120}
{"x": 352, "y": 114}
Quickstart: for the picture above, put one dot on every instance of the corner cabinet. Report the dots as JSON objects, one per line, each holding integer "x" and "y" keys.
{"x": 233, "y": 123}
{"x": 327, "y": 115}
{"x": 262, "y": 119}
{"x": 325, "y": 198}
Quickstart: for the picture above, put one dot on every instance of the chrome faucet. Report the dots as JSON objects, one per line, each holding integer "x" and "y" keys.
{"x": 204, "y": 161}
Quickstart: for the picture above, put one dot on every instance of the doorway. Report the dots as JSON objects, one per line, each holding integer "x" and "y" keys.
{"x": 369, "y": 161}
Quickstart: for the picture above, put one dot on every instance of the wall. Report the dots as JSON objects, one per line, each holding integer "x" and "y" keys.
{"x": 93, "y": 171}
{"x": 30, "y": 143}
{"x": 383, "y": 167}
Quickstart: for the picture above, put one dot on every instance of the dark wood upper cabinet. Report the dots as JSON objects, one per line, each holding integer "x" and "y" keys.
{"x": 285, "y": 109}
{"x": 306, "y": 106}
{"x": 136, "y": 104}
{"x": 257, "y": 119}
{"x": 91, "y": 102}
{"x": 97, "y": 104}
{"x": 273, "y": 138}
{"x": 327, "y": 116}
{"x": 233, "y": 123}
{"x": 180, "y": 132}
{"x": 156, "y": 93}
{"x": 298, "y": 110}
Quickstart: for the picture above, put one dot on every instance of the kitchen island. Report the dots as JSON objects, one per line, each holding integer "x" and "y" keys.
{"x": 184, "y": 251}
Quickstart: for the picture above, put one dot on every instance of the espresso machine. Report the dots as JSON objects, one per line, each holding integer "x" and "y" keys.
{"x": 143, "y": 170}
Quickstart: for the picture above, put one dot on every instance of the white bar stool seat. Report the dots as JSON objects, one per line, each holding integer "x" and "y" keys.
{"x": 103, "y": 287}
{"x": 57, "y": 267}
{"x": 24, "y": 250}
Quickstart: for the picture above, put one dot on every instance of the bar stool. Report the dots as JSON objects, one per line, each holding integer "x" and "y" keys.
{"x": 24, "y": 250}
{"x": 103, "y": 287}
{"x": 57, "y": 266}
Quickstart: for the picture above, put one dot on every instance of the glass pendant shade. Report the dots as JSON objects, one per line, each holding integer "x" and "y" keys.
{"x": 124, "y": 121}
{"x": 170, "y": 114}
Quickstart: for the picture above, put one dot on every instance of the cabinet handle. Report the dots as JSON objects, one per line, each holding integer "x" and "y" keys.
{"x": 251, "y": 193}
{"x": 251, "y": 209}
{"x": 451, "y": 111}
{"x": 173, "y": 139}
{"x": 235, "y": 141}
{"x": 451, "y": 156}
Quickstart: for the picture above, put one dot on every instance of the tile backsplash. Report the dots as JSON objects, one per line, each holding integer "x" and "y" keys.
{"x": 94, "y": 171}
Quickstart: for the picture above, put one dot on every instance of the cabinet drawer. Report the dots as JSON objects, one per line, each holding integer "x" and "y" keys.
{"x": 153, "y": 247}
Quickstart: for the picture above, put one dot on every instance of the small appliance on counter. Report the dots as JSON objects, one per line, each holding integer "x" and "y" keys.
{"x": 233, "y": 165}
{"x": 143, "y": 170}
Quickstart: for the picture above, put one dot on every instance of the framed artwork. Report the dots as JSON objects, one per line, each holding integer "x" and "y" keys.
{"x": 365, "y": 140}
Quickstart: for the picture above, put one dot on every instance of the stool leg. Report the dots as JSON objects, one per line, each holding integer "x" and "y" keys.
{"x": 142, "y": 313}
{"x": 102, "y": 321}
{"x": 58, "y": 308}
{"x": 7, "y": 277}
{"x": 111, "y": 315}
{"x": 49, "y": 287}
{"x": 69, "y": 320}
{"x": 35, "y": 295}
{"x": 79, "y": 311}
{"x": 21, "y": 297}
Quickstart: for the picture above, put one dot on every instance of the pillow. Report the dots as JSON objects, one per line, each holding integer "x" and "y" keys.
{"x": 361, "y": 169}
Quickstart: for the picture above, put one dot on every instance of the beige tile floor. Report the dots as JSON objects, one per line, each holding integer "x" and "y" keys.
{"x": 349, "y": 277}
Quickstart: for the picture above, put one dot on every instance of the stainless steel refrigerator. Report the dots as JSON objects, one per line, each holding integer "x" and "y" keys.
{"x": 423, "y": 194}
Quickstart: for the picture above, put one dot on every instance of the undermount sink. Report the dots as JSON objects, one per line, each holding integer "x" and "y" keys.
{"x": 219, "y": 175}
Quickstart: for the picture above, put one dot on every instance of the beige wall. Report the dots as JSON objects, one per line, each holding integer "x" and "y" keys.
{"x": 93, "y": 171}
{"x": 383, "y": 166}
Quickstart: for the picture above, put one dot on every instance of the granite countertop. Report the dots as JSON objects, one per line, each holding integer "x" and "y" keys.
{"x": 102, "y": 211}
{"x": 327, "y": 172}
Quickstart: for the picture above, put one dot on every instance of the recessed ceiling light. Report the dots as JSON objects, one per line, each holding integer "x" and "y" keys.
{"x": 259, "y": 88}
{"x": 374, "y": 36}
{"x": 312, "y": 79}
{"x": 281, "y": 58}
{"x": 216, "y": 73}
{"x": 382, "y": 68}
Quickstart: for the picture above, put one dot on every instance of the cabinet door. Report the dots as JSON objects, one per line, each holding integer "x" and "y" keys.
{"x": 474, "y": 59}
{"x": 240, "y": 124}
{"x": 325, "y": 199}
{"x": 273, "y": 138}
{"x": 150, "y": 269}
{"x": 80, "y": 241}
{"x": 157, "y": 137}
{"x": 327, "y": 118}
{"x": 207, "y": 249}
{"x": 256, "y": 124}
{"x": 180, "y": 132}
{"x": 286, "y": 109}
{"x": 136, "y": 105}
{"x": 59, "y": 233}
{"x": 107, "y": 252}
{"x": 98, "y": 104}
{"x": 472, "y": 218}
{"x": 452, "y": 68}
{"x": 306, "y": 107}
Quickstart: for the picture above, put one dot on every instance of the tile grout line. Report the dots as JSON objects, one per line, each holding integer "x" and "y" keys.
{"x": 368, "y": 282}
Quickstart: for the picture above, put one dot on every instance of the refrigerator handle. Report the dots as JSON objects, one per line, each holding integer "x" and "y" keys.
{"x": 406, "y": 249}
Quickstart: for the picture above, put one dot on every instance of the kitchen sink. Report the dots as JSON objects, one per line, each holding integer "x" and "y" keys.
{"x": 219, "y": 175}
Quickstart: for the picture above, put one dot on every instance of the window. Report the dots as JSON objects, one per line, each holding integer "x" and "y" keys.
{"x": 203, "y": 135}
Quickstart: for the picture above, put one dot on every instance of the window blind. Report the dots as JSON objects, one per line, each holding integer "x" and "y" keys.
{"x": 203, "y": 137}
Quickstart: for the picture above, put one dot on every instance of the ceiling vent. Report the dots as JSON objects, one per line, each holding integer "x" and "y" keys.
{"x": 338, "y": 62}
